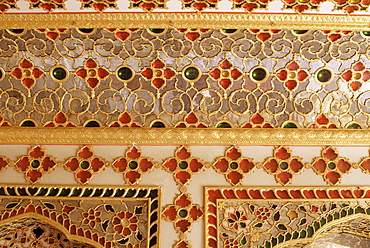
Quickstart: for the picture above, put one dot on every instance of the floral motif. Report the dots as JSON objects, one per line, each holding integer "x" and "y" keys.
{"x": 125, "y": 223}
{"x": 92, "y": 73}
{"x": 257, "y": 121}
{"x": 5, "y": 5}
{"x": 300, "y": 6}
{"x": 47, "y": 5}
{"x": 292, "y": 75}
{"x": 365, "y": 165}
{"x": 199, "y": 5}
{"x": 265, "y": 34}
{"x": 99, "y": 5}
{"x": 262, "y": 213}
{"x": 350, "y": 6}
{"x": 331, "y": 166}
{"x": 183, "y": 213}
{"x": 322, "y": 122}
{"x": 148, "y": 6}
{"x": 231, "y": 243}
{"x": 91, "y": 217}
{"x": 250, "y": 5}
{"x": 52, "y": 33}
{"x": 356, "y": 76}
{"x": 233, "y": 165}
{"x": 27, "y": 73}
{"x": 124, "y": 120}
{"x": 283, "y": 165}
{"x": 237, "y": 220}
{"x": 35, "y": 164}
{"x": 122, "y": 33}
{"x": 191, "y": 120}
{"x": 159, "y": 75}
{"x": 183, "y": 165}
{"x": 60, "y": 120}
{"x": 84, "y": 165}
{"x": 133, "y": 165}
{"x": 334, "y": 35}
{"x": 225, "y": 73}
{"x": 193, "y": 34}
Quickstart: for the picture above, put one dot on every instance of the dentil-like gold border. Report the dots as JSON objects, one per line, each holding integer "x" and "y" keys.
{"x": 183, "y": 136}
{"x": 186, "y": 20}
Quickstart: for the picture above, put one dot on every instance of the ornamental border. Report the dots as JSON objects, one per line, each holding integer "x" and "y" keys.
{"x": 183, "y": 136}
{"x": 273, "y": 193}
{"x": 186, "y": 20}
{"x": 81, "y": 193}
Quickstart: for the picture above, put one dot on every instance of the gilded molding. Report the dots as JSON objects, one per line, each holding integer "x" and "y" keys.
{"x": 180, "y": 136}
{"x": 186, "y": 20}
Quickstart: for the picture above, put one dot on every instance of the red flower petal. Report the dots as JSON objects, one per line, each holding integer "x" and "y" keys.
{"x": 292, "y": 66}
{"x": 34, "y": 175}
{"x": 282, "y": 75}
{"x": 47, "y": 164}
{"x": 171, "y": 165}
{"x": 302, "y": 75}
{"x": 320, "y": 166}
{"x": 366, "y": 76}
{"x": 249, "y": 6}
{"x": 82, "y": 73}
{"x": 216, "y": 73}
{"x": 37, "y": 73}
{"x": 222, "y": 165}
{"x": 333, "y": 177}
{"x": 359, "y": 66}
{"x": 85, "y": 153}
{"x": 169, "y": 73}
{"x": 23, "y": 164}
{"x": 322, "y": 120}
{"x": 257, "y": 119}
{"x": 225, "y": 83}
{"x": 199, "y": 6}
{"x": 183, "y": 201}
{"x": 300, "y": 7}
{"x": 195, "y": 165}
{"x": 263, "y": 36}
{"x": 60, "y": 118}
{"x": 183, "y": 153}
{"x": 282, "y": 153}
{"x": 235, "y": 74}
{"x": 355, "y": 85}
{"x": 25, "y": 64}
{"x": 192, "y": 36}
{"x": 48, "y": 6}
{"x": 343, "y": 166}
{"x": 93, "y": 82}
{"x": 235, "y": 177}
{"x": 191, "y": 118}
{"x": 148, "y": 6}
{"x": 195, "y": 213}
{"x": 96, "y": 164}
{"x": 271, "y": 165}
{"x": 102, "y": 73}
{"x": 234, "y": 154}
{"x": 133, "y": 153}
{"x": 295, "y": 165}
{"x": 121, "y": 164}
{"x": 330, "y": 154}
{"x": 225, "y": 64}
{"x": 158, "y": 64}
{"x": 145, "y": 165}
{"x": 125, "y": 118}
{"x": 36, "y": 152}
{"x": 334, "y": 37}
{"x": 183, "y": 177}
{"x": 148, "y": 73}
{"x": 17, "y": 73}
{"x": 284, "y": 177}
{"x": 291, "y": 84}
{"x": 122, "y": 35}
{"x": 90, "y": 63}
{"x": 52, "y": 35}
{"x": 73, "y": 164}
{"x": 28, "y": 82}
{"x": 170, "y": 213}
{"x": 183, "y": 225}
{"x": 133, "y": 176}
{"x": 83, "y": 176}
{"x": 158, "y": 82}
{"x": 246, "y": 166}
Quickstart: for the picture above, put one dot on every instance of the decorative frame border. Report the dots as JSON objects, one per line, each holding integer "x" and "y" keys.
{"x": 263, "y": 194}
{"x": 186, "y": 20}
{"x": 183, "y": 136}
{"x": 80, "y": 193}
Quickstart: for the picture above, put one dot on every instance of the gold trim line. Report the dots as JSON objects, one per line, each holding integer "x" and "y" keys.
{"x": 186, "y": 20}
{"x": 183, "y": 136}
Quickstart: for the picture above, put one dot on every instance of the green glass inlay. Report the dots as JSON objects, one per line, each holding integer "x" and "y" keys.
{"x": 183, "y": 165}
{"x": 267, "y": 244}
{"x": 302, "y": 234}
{"x": 316, "y": 225}
{"x": 350, "y": 211}
{"x": 92, "y": 124}
{"x": 330, "y": 217}
{"x": 310, "y": 231}
{"x": 223, "y": 125}
{"x": 290, "y": 125}
{"x": 259, "y": 74}
{"x": 288, "y": 236}
{"x": 229, "y": 31}
{"x": 16, "y": 31}
{"x": 300, "y": 31}
{"x": 158, "y": 124}
{"x": 322, "y": 221}
{"x": 35, "y": 163}
{"x": 84, "y": 164}
{"x": 86, "y": 30}
{"x": 183, "y": 213}
{"x": 331, "y": 165}
{"x": 366, "y": 33}
{"x": 59, "y": 73}
{"x": 295, "y": 235}
{"x": 336, "y": 215}
{"x": 191, "y": 73}
{"x": 130, "y": 193}
{"x": 28, "y": 124}
{"x": 157, "y": 30}
{"x": 274, "y": 241}
{"x": 283, "y": 165}
{"x": 234, "y": 165}
{"x": 124, "y": 73}
{"x": 133, "y": 165}
{"x": 354, "y": 126}
{"x": 324, "y": 75}
{"x": 280, "y": 238}
{"x": 359, "y": 210}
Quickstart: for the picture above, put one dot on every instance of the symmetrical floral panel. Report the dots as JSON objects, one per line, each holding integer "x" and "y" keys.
{"x": 156, "y": 77}
{"x": 100, "y": 217}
